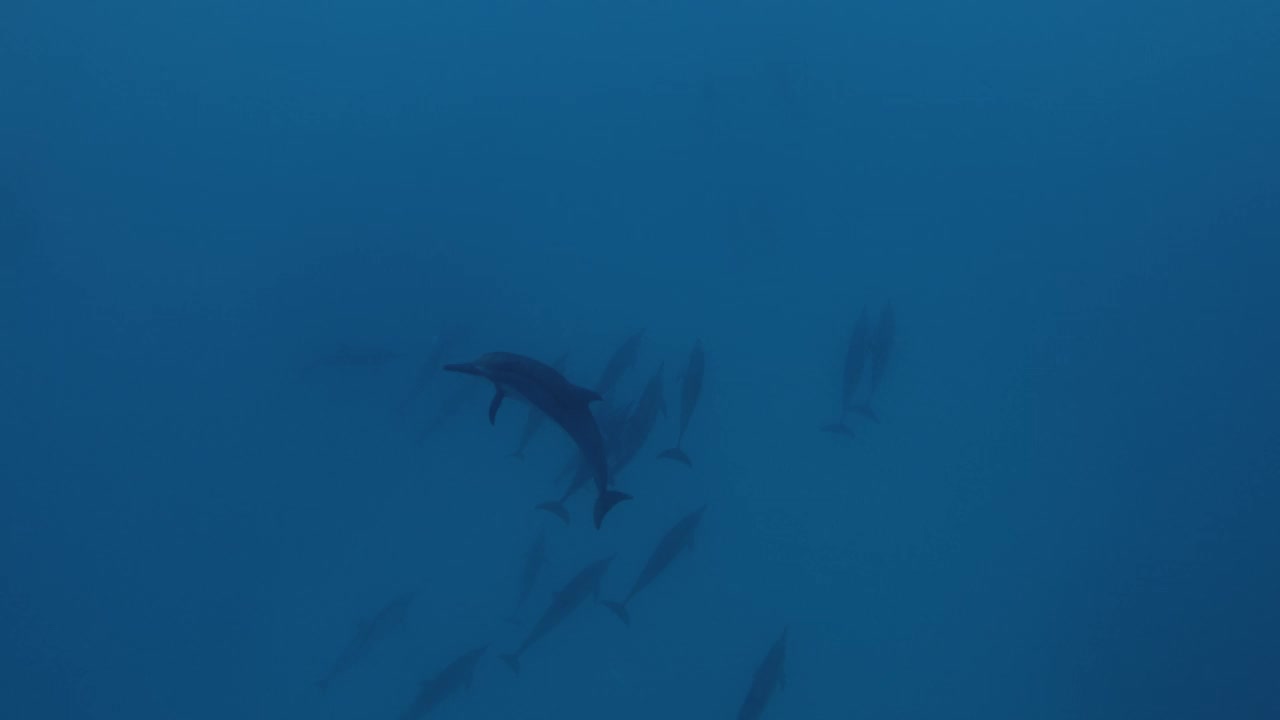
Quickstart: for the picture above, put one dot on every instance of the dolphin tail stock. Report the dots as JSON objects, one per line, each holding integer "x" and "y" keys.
{"x": 839, "y": 428}
{"x": 557, "y": 508}
{"x": 620, "y": 610}
{"x": 513, "y": 661}
{"x": 677, "y": 454}
{"x": 867, "y": 412}
{"x": 605, "y": 502}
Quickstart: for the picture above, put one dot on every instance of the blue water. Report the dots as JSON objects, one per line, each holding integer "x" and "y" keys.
{"x": 1067, "y": 510}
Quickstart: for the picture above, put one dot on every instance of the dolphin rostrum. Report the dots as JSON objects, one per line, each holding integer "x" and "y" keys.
{"x": 454, "y": 677}
{"x": 565, "y": 403}
{"x": 769, "y": 677}
{"x": 563, "y": 603}
{"x": 679, "y": 537}
{"x": 690, "y": 389}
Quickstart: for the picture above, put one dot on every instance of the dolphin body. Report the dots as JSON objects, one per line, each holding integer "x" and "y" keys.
{"x": 769, "y": 677}
{"x": 881, "y": 344}
{"x": 369, "y": 634}
{"x": 534, "y": 421}
{"x": 855, "y": 360}
{"x": 690, "y": 389}
{"x": 534, "y": 559}
{"x": 679, "y": 537}
{"x": 565, "y": 403}
{"x": 563, "y": 603}
{"x": 619, "y": 363}
{"x": 456, "y": 676}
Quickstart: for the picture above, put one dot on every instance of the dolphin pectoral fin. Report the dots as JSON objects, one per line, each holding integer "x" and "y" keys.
{"x": 620, "y": 610}
{"x": 555, "y": 507}
{"x": 605, "y": 502}
{"x": 495, "y": 404}
{"x": 676, "y": 454}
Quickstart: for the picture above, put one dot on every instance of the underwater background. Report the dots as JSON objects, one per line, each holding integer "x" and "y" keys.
{"x": 239, "y": 239}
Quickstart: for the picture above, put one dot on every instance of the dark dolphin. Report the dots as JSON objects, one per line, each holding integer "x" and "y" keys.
{"x": 690, "y": 389}
{"x": 881, "y": 344}
{"x": 369, "y": 634}
{"x": 455, "y": 676}
{"x": 619, "y": 363}
{"x": 855, "y": 359}
{"x": 679, "y": 537}
{"x": 534, "y": 559}
{"x": 563, "y": 603}
{"x": 534, "y": 421}
{"x": 565, "y": 403}
{"x": 769, "y": 677}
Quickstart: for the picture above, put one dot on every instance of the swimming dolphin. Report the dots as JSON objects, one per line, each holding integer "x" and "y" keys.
{"x": 635, "y": 432}
{"x": 769, "y": 677}
{"x": 565, "y": 403}
{"x": 855, "y": 359}
{"x": 454, "y": 677}
{"x": 679, "y": 537}
{"x": 534, "y": 559}
{"x": 369, "y": 634}
{"x": 690, "y": 389}
{"x": 535, "y": 418}
{"x": 621, "y": 361}
{"x": 442, "y": 346}
{"x": 563, "y": 603}
{"x": 881, "y": 344}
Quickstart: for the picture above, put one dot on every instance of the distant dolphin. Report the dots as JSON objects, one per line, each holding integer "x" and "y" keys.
{"x": 855, "y": 359}
{"x": 881, "y": 344}
{"x": 769, "y": 677}
{"x": 565, "y": 403}
{"x": 444, "y": 345}
{"x": 535, "y": 418}
{"x": 454, "y": 677}
{"x": 622, "y": 360}
{"x": 612, "y": 421}
{"x": 534, "y": 559}
{"x": 690, "y": 389}
{"x": 679, "y": 537}
{"x": 563, "y": 603}
{"x": 369, "y": 634}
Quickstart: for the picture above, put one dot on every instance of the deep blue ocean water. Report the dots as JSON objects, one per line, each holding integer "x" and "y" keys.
{"x": 237, "y": 238}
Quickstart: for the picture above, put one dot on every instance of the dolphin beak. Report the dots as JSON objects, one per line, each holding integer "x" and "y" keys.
{"x": 465, "y": 368}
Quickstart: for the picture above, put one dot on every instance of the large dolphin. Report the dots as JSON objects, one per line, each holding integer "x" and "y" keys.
{"x": 534, "y": 559}
{"x": 534, "y": 421}
{"x": 369, "y": 634}
{"x": 690, "y": 389}
{"x": 621, "y": 361}
{"x": 855, "y": 359}
{"x": 563, "y": 603}
{"x": 565, "y": 403}
{"x": 679, "y": 537}
{"x": 454, "y": 677}
{"x": 769, "y": 677}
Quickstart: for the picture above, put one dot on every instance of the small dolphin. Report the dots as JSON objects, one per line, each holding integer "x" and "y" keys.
{"x": 881, "y": 344}
{"x": 534, "y": 559}
{"x": 443, "y": 345}
{"x": 855, "y": 359}
{"x": 679, "y": 537}
{"x": 563, "y": 603}
{"x": 535, "y": 418}
{"x": 454, "y": 677}
{"x": 769, "y": 677}
{"x": 619, "y": 363}
{"x": 369, "y": 634}
{"x": 565, "y": 403}
{"x": 690, "y": 389}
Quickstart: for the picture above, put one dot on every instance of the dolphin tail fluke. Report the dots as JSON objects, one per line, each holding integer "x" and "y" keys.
{"x": 620, "y": 610}
{"x": 867, "y": 412}
{"x": 605, "y": 502}
{"x": 838, "y": 428}
{"x": 676, "y": 454}
{"x": 512, "y": 661}
{"x": 555, "y": 507}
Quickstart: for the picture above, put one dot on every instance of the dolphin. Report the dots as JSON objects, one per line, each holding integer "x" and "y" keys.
{"x": 534, "y": 559}
{"x": 619, "y": 363}
{"x": 565, "y": 403}
{"x": 563, "y": 603}
{"x": 612, "y": 422}
{"x": 633, "y": 435}
{"x": 679, "y": 537}
{"x": 855, "y": 359}
{"x": 455, "y": 676}
{"x": 443, "y": 345}
{"x": 769, "y": 677}
{"x": 535, "y": 418}
{"x": 369, "y": 634}
{"x": 881, "y": 344}
{"x": 690, "y": 389}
